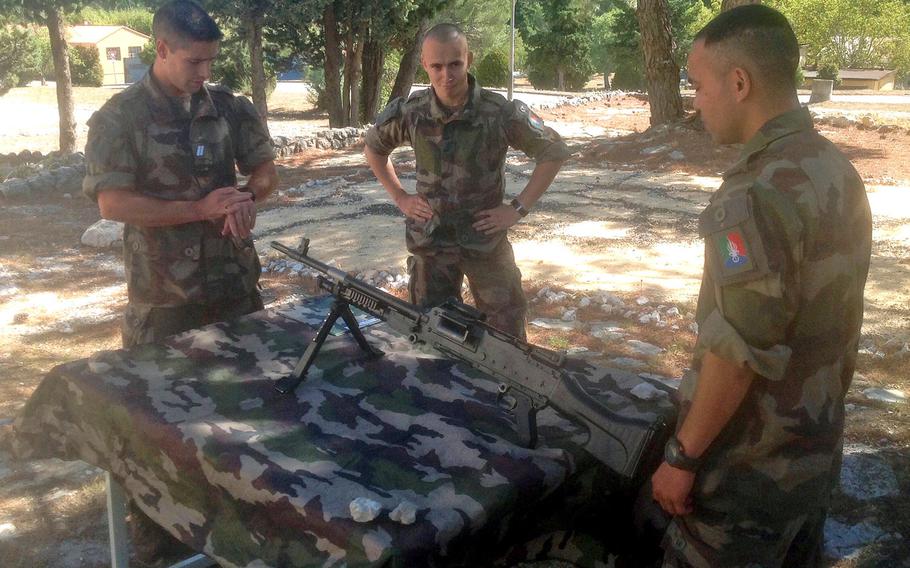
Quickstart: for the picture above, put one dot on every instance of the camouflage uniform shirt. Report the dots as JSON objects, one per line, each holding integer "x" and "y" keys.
{"x": 787, "y": 248}
{"x": 461, "y": 158}
{"x": 145, "y": 140}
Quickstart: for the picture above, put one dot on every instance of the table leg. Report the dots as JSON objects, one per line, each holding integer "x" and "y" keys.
{"x": 116, "y": 522}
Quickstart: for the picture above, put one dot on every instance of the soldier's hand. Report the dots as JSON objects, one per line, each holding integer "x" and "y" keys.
{"x": 671, "y": 487}
{"x": 241, "y": 220}
{"x": 222, "y": 202}
{"x": 415, "y": 206}
{"x": 495, "y": 220}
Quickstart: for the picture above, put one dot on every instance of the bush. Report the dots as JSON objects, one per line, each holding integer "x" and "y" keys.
{"x": 85, "y": 66}
{"x": 543, "y": 73}
{"x": 19, "y": 56}
{"x": 233, "y": 69}
{"x": 493, "y": 70}
{"x": 829, "y": 71}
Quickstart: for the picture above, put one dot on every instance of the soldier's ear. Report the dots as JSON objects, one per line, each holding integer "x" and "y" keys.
{"x": 742, "y": 83}
{"x": 470, "y": 59}
{"x": 161, "y": 49}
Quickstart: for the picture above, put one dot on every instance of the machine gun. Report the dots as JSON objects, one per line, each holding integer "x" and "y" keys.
{"x": 530, "y": 377}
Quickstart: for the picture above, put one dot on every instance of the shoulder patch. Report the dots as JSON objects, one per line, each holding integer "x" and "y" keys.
{"x": 528, "y": 115}
{"x": 736, "y": 249}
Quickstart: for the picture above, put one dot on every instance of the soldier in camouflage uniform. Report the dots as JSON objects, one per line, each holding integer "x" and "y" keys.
{"x": 787, "y": 247}
{"x": 457, "y": 222}
{"x": 161, "y": 158}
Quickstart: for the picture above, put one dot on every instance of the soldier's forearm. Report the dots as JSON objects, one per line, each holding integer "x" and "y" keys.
{"x": 384, "y": 171}
{"x": 128, "y": 206}
{"x": 722, "y": 386}
{"x": 543, "y": 175}
{"x": 263, "y": 180}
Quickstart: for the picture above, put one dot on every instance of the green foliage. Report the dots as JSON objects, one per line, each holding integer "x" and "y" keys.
{"x": 19, "y": 56}
{"x": 556, "y": 36}
{"x": 615, "y": 38}
{"x": 233, "y": 69}
{"x": 852, "y": 34}
{"x": 148, "y": 54}
{"x": 85, "y": 66}
{"x": 138, "y": 19}
{"x": 829, "y": 71}
{"x": 486, "y": 24}
{"x": 493, "y": 70}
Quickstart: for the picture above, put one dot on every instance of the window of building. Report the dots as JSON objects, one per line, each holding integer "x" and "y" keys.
{"x": 134, "y": 50}
{"x": 113, "y": 54}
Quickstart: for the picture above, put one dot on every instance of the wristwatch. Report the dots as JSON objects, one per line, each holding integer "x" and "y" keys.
{"x": 519, "y": 208}
{"x": 675, "y": 456}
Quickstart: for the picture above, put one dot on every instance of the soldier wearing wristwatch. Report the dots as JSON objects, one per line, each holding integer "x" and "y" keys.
{"x": 675, "y": 455}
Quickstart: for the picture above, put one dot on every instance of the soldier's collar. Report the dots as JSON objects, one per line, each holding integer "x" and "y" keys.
{"x": 164, "y": 106}
{"x": 437, "y": 111}
{"x": 788, "y": 123}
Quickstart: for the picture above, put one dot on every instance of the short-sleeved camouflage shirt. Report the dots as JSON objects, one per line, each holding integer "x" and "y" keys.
{"x": 461, "y": 158}
{"x": 144, "y": 140}
{"x": 787, "y": 249}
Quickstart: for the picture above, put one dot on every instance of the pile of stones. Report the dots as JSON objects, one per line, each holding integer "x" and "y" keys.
{"x": 51, "y": 174}
{"x": 334, "y": 138}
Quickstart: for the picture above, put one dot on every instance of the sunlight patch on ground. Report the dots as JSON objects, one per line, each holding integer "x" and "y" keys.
{"x": 43, "y": 310}
{"x": 671, "y": 269}
{"x": 595, "y": 230}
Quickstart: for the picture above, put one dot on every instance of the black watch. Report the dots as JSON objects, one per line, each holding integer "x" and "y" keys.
{"x": 675, "y": 456}
{"x": 519, "y": 207}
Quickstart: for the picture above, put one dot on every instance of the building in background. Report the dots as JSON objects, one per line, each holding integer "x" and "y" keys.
{"x": 871, "y": 79}
{"x": 118, "y": 50}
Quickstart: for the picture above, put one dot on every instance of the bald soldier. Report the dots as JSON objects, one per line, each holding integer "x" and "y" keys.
{"x": 162, "y": 157}
{"x": 457, "y": 222}
{"x": 758, "y": 445}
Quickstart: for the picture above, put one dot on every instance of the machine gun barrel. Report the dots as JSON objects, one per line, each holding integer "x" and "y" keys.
{"x": 369, "y": 294}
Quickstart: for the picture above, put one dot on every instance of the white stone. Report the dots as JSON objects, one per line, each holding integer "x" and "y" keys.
{"x": 405, "y": 513}
{"x": 646, "y": 391}
{"x": 642, "y": 300}
{"x": 553, "y": 324}
{"x": 7, "y": 531}
{"x": 677, "y": 155}
{"x": 644, "y": 348}
{"x": 866, "y": 476}
{"x": 693, "y": 327}
{"x": 673, "y": 312}
{"x": 584, "y": 302}
{"x": 886, "y": 395}
{"x": 570, "y": 315}
{"x": 364, "y": 510}
{"x": 103, "y": 234}
{"x": 845, "y": 541}
{"x": 627, "y": 362}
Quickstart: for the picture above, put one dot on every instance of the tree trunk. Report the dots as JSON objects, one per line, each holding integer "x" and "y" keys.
{"x": 332, "y": 67}
{"x": 404, "y": 80}
{"x": 660, "y": 69}
{"x": 64, "y": 81}
{"x": 373, "y": 62}
{"x": 348, "y": 66}
{"x": 727, "y": 4}
{"x": 254, "y": 26}
{"x": 357, "y": 72}
{"x": 560, "y": 78}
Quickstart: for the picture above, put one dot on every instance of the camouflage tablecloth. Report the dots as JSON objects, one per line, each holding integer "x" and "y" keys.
{"x": 196, "y": 434}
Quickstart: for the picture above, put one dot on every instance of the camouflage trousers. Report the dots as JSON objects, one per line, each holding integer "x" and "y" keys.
{"x": 701, "y": 541}
{"x": 144, "y": 324}
{"x": 493, "y": 277}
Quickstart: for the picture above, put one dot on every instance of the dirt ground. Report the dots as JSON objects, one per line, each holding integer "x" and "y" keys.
{"x": 620, "y": 221}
